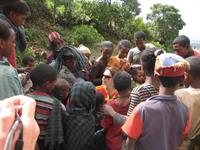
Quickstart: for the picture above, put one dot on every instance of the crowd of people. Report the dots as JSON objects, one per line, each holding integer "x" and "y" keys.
{"x": 143, "y": 98}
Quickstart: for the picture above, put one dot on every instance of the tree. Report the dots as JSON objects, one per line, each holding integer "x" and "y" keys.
{"x": 165, "y": 23}
{"x": 132, "y": 6}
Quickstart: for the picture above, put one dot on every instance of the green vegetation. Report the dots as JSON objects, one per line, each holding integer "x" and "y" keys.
{"x": 91, "y": 21}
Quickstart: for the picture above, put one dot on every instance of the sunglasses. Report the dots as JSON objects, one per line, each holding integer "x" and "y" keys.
{"x": 106, "y": 76}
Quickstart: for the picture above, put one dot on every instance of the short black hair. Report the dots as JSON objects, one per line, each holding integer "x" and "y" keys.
{"x": 107, "y": 44}
{"x": 43, "y": 73}
{"x": 20, "y": 7}
{"x": 4, "y": 30}
{"x": 122, "y": 81}
{"x": 148, "y": 59}
{"x": 170, "y": 82}
{"x": 194, "y": 68}
{"x": 126, "y": 44}
{"x": 140, "y": 35}
{"x": 27, "y": 59}
{"x": 182, "y": 40}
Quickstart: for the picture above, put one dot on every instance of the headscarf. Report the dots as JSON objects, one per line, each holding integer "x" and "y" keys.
{"x": 81, "y": 60}
{"x": 80, "y": 128}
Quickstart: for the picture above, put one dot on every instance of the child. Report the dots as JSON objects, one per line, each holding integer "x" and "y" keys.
{"x": 161, "y": 122}
{"x": 190, "y": 97}
{"x": 97, "y": 70}
{"x": 137, "y": 74}
{"x": 10, "y": 84}
{"x": 15, "y": 14}
{"x": 142, "y": 92}
{"x": 122, "y": 82}
{"x": 61, "y": 90}
{"x": 150, "y": 86}
{"x": 55, "y": 42}
{"x": 119, "y": 62}
{"x": 29, "y": 62}
{"x": 80, "y": 124}
{"x": 49, "y": 113}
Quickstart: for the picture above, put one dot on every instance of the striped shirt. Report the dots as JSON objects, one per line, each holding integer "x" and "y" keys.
{"x": 44, "y": 106}
{"x": 140, "y": 94}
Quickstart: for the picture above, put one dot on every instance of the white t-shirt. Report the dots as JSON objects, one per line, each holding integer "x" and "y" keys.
{"x": 135, "y": 51}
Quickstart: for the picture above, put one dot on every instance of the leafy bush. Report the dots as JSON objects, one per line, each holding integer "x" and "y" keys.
{"x": 36, "y": 53}
{"x": 86, "y": 35}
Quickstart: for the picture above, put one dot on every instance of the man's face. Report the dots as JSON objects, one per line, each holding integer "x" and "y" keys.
{"x": 123, "y": 52}
{"x": 180, "y": 50}
{"x": 9, "y": 45}
{"x": 106, "y": 53}
{"x": 140, "y": 44}
{"x": 18, "y": 19}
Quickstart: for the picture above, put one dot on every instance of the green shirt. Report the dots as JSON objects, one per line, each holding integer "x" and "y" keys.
{"x": 9, "y": 81}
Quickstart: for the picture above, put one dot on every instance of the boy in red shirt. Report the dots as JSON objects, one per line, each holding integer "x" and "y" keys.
{"x": 122, "y": 83}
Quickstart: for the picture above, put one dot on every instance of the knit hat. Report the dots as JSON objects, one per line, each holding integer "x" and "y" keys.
{"x": 53, "y": 36}
{"x": 170, "y": 65}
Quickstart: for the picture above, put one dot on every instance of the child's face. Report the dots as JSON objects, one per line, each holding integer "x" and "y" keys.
{"x": 8, "y": 45}
{"x": 123, "y": 52}
{"x": 106, "y": 53}
{"x": 64, "y": 92}
{"x": 50, "y": 85}
{"x": 139, "y": 77}
{"x": 31, "y": 64}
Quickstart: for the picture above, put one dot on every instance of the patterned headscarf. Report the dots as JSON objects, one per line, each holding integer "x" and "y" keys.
{"x": 82, "y": 96}
{"x": 81, "y": 60}
{"x": 80, "y": 126}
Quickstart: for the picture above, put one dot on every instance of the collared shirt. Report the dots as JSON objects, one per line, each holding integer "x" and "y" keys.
{"x": 160, "y": 123}
{"x": 10, "y": 83}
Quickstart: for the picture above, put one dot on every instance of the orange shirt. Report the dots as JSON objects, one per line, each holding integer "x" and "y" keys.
{"x": 116, "y": 63}
{"x": 102, "y": 89}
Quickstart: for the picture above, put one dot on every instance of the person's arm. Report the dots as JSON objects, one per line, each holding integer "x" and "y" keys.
{"x": 133, "y": 128}
{"x": 118, "y": 118}
{"x": 130, "y": 56}
{"x": 130, "y": 144}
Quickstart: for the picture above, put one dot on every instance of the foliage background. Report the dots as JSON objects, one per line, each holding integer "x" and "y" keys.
{"x": 91, "y": 21}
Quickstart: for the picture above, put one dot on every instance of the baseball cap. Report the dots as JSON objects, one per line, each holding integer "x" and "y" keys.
{"x": 170, "y": 65}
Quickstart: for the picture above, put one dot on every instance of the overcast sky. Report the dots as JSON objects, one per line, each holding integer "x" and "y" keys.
{"x": 189, "y": 10}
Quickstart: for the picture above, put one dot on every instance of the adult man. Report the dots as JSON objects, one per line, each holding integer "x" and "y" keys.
{"x": 139, "y": 40}
{"x": 181, "y": 46}
{"x": 15, "y": 14}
